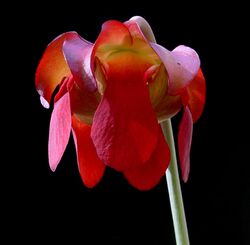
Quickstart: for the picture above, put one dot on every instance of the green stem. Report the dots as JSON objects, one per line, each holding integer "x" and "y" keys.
{"x": 175, "y": 196}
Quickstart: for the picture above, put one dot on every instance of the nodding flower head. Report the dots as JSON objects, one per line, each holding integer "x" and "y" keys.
{"x": 112, "y": 96}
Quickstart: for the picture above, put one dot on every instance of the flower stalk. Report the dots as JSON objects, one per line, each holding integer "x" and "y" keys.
{"x": 175, "y": 195}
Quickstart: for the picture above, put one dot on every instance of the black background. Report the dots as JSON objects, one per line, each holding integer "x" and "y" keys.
{"x": 46, "y": 206}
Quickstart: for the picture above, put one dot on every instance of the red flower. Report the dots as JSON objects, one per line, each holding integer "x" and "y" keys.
{"x": 113, "y": 94}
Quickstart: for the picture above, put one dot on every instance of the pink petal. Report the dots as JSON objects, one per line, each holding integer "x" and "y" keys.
{"x": 90, "y": 166}
{"x": 182, "y": 64}
{"x": 52, "y": 68}
{"x": 148, "y": 175}
{"x": 184, "y": 142}
{"x": 59, "y": 132}
{"x": 77, "y": 52}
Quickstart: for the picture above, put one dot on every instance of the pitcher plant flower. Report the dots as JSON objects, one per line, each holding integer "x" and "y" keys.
{"x": 113, "y": 94}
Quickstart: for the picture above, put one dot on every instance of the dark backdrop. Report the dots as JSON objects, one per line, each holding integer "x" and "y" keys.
{"x": 46, "y": 206}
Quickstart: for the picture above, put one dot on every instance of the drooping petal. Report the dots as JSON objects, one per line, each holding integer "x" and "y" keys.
{"x": 124, "y": 135}
{"x": 143, "y": 25}
{"x": 77, "y": 52}
{"x": 59, "y": 132}
{"x": 147, "y": 176}
{"x": 90, "y": 166}
{"x": 182, "y": 65}
{"x": 184, "y": 142}
{"x": 52, "y": 68}
{"x": 125, "y": 127}
{"x": 195, "y": 95}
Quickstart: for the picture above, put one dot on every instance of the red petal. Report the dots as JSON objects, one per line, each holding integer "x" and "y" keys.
{"x": 195, "y": 96}
{"x": 52, "y": 68}
{"x": 182, "y": 64}
{"x": 147, "y": 176}
{"x": 184, "y": 142}
{"x": 59, "y": 132}
{"x": 77, "y": 53}
{"x": 125, "y": 127}
{"x": 90, "y": 166}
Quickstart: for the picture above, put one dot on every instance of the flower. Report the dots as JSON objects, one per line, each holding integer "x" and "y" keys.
{"x": 112, "y": 96}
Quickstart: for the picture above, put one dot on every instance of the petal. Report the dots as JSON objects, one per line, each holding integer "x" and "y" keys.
{"x": 90, "y": 166}
{"x": 184, "y": 142}
{"x": 59, "y": 132}
{"x": 77, "y": 53}
{"x": 52, "y": 68}
{"x": 143, "y": 27}
{"x": 182, "y": 64}
{"x": 195, "y": 95}
{"x": 125, "y": 128}
{"x": 147, "y": 176}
